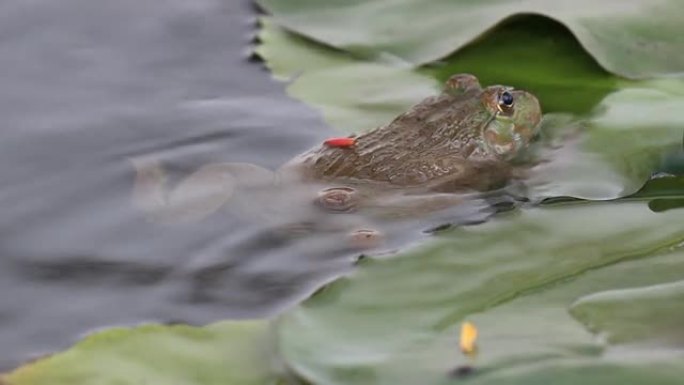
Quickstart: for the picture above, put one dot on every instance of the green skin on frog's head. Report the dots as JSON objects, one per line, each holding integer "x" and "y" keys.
{"x": 515, "y": 121}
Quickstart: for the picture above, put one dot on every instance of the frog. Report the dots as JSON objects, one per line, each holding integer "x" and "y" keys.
{"x": 461, "y": 141}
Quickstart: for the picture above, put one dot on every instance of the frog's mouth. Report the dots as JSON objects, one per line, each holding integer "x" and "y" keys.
{"x": 512, "y": 126}
{"x": 501, "y": 137}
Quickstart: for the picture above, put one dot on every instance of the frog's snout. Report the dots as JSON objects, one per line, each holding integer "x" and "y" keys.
{"x": 527, "y": 116}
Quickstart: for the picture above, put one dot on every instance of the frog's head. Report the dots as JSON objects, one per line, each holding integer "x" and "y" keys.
{"x": 515, "y": 117}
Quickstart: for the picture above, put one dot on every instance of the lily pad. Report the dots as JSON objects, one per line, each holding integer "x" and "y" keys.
{"x": 618, "y": 148}
{"x": 636, "y": 314}
{"x": 632, "y": 38}
{"x": 337, "y": 84}
{"x": 552, "y": 65}
{"x": 601, "y": 151}
{"x": 395, "y": 321}
{"x": 663, "y": 187}
{"x": 665, "y": 192}
{"x": 288, "y": 55}
{"x": 234, "y": 352}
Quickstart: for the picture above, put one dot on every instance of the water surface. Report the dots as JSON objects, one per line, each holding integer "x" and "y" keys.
{"x": 85, "y": 86}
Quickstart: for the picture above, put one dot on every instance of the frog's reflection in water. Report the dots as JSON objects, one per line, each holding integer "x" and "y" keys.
{"x": 292, "y": 244}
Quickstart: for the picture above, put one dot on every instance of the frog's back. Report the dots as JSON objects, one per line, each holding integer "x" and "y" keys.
{"x": 422, "y": 144}
{"x": 463, "y": 138}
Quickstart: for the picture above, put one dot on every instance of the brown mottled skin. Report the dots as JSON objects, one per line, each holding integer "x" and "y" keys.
{"x": 460, "y": 140}
{"x": 445, "y": 143}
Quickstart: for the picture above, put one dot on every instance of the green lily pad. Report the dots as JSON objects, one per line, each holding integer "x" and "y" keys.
{"x": 633, "y": 38}
{"x": 636, "y": 314}
{"x": 673, "y": 162}
{"x": 664, "y": 192}
{"x": 234, "y": 352}
{"x": 339, "y": 85}
{"x": 663, "y": 187}
{"x": 288, "y": 55}
{"x": 618, "y": 148}
{"x": 552, "y": 65}
{"x": 395, "y": 321}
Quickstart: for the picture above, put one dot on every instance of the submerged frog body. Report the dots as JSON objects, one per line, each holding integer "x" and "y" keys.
{"x": 462, "y": 140}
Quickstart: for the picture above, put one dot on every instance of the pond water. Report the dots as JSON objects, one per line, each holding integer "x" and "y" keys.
{"x": 86, "y": 85}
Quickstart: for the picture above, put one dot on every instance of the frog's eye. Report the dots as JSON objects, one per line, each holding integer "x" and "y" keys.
{"x": 506, "y": 99}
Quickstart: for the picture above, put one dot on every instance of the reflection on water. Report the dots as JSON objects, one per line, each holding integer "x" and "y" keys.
{"x": 88, "y": 86}
{"x": 293, "y": 243}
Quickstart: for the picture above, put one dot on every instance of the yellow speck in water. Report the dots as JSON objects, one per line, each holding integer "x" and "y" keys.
{"x": 468, "y": 338}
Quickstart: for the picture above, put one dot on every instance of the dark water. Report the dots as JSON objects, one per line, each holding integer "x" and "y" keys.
{"x": 87, "y": 84}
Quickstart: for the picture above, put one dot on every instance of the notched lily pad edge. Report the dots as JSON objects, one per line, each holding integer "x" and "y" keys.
{"x": 517, "y": 17}
{"x": 392, "y": 60}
